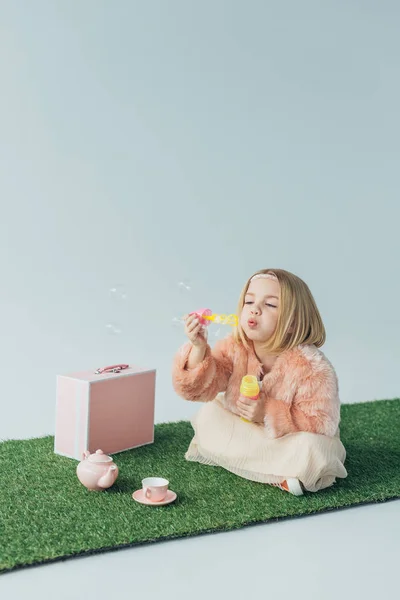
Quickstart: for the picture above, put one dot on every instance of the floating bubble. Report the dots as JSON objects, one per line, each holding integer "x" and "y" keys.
{"x": 113, "y": 328}
{"x": 185, "y": 286}
{"x": 217, "y": 333}
{"x": 178, "y": 322}
{"x": 118, "y": 292}
{"x": 117, "y": 308}
{"x": 183, "y": 303}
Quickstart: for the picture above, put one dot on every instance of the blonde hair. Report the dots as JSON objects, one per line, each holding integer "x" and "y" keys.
{"x": 297, "y": 312}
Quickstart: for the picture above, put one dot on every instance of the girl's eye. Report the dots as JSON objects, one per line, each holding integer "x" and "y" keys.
{"x": 271, "y": 305}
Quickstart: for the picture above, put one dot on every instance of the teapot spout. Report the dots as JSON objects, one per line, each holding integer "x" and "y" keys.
{"x": 108, "y": 479}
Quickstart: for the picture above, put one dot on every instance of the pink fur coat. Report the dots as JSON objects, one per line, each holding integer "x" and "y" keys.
{"x": 300, "y": 392}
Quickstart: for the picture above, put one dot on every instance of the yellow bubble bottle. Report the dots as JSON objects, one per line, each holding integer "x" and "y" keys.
{"x": 249, "y": 388}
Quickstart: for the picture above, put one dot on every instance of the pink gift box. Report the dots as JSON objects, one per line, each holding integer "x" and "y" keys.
{"x": 108, "y": 411}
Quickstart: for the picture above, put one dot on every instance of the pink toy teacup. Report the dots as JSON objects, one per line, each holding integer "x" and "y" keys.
{"x": 155, "y": 489}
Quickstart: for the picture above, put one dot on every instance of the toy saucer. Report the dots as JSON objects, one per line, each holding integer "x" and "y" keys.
{"x": 140, "y": 497}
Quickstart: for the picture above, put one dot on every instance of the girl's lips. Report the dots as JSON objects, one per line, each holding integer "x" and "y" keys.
{"x": 252, "y": 323}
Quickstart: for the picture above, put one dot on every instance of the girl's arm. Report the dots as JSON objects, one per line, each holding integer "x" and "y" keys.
{"x": 208, "y": 378}
{"x": 314, "y": 408}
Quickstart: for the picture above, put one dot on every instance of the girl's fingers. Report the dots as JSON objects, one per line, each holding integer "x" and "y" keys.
{"x": 193, "y": 333}
{"x": 244, "y": 411}
{"x": 244, "y": 402}
{"x": 192, "y": 326}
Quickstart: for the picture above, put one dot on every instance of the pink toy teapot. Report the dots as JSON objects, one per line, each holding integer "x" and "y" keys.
{"x": 97, "y": 471}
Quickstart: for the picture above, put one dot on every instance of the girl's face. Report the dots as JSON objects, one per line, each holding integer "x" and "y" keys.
{"x": 260, "y": 310}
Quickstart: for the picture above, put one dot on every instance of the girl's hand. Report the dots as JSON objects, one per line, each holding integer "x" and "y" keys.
{"x": 196, "y": 332}
{"x": 252, "y": 410}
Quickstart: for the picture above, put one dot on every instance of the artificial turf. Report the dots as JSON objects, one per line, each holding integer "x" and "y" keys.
{"x": 46, "y": 514}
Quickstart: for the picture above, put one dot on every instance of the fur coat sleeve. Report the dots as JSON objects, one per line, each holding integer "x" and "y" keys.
{"x": 312, "y": 406}
{"x": 208, "y": 378}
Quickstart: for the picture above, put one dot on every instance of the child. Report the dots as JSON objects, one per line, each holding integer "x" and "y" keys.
{"x": 292, "y": 440}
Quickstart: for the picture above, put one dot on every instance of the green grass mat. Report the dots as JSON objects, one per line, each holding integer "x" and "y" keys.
{"x": 47, "y": 515}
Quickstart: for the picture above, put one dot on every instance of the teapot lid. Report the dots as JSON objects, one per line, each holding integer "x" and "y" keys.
{"x": 99, "y": 457}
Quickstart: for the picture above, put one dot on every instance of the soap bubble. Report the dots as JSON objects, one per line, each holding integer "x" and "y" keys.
{"x": 185, "y": 286}
{"x": 178, "y": 322}
{"x": 118, "y": 293}
{"x": 113, "y": 328}
{"x": 183, "y": 303}
{"x": 117, "y": 308}
{"x": 217, "y": 333}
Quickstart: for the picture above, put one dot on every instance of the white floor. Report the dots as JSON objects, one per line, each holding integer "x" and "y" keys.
{"x": 352, "y": 553}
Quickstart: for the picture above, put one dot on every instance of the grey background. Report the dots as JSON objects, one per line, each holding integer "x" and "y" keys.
{"x": 144, "y": 144}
